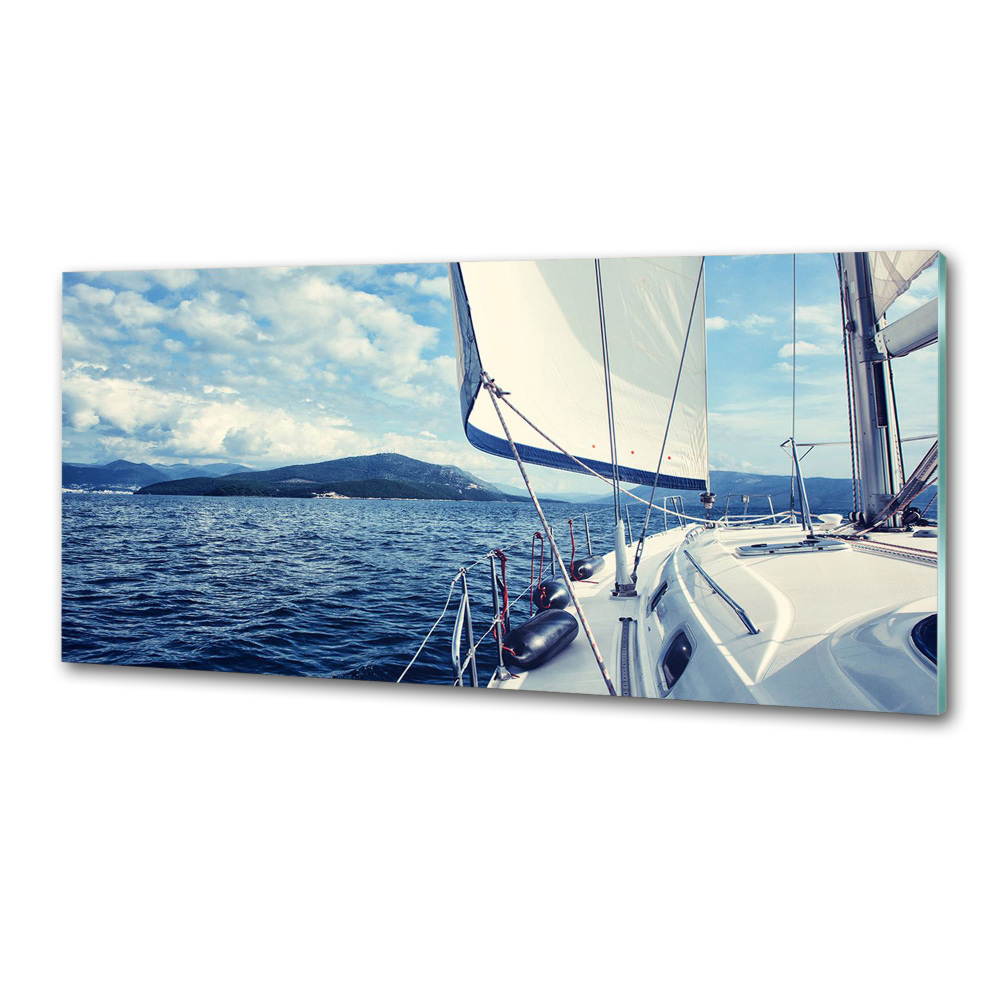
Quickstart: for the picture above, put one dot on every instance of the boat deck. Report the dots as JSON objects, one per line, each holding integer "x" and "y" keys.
{"x": 575, "y": 670}
{"x": 822, "y": 629}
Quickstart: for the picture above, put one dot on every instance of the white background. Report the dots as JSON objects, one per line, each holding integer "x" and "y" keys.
{"x": 206, "y": 835}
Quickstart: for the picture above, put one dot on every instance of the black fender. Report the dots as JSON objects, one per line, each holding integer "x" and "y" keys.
{"x": 586, "y": 567}
{"x": 539, "y": 639}
{"x": 551, "y": 593}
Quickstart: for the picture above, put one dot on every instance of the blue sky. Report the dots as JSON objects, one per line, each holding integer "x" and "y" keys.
{"x": 269, "y": 366}
{"x": 749, "y": 310}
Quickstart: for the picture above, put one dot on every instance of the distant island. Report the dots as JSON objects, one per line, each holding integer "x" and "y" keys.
{"x": 391, "y": 476}
{"x": 384, "y": 476}
{"x": 123, "y": 475}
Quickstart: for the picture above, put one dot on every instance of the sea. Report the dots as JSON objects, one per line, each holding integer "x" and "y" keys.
{"x": 317, "y": 587}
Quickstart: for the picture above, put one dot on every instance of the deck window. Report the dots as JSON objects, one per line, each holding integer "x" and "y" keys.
{"x": 677, "y": 657}
{"x": 924, "y": 636}
{"x": 660, "y": 591}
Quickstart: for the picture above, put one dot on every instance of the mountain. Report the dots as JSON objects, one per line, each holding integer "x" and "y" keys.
{"x": 133, "y": 475}
{"x": 575, "y": 498}
{"x": 120, "y": 475}
{"x": 185, "y": 470}
{"x": 382, "y": 475}
{"x": 581, "y": 498}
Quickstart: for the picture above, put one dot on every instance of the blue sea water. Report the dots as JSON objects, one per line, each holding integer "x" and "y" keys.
{"x": 327, "y": 588}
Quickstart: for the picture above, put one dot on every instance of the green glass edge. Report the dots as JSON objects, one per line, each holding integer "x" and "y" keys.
{"x": 942, "y": 641}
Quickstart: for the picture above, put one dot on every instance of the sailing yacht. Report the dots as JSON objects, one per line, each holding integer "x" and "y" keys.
{"x": 599, "y": 367}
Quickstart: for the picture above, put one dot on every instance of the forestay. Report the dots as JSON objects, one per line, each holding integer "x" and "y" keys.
{"x": 893, "y": 272}
{"x": 535, "y": 327}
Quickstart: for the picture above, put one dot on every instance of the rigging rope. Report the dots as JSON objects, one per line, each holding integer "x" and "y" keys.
{"x": 430, "y": 631}
{"x": 895, "y": 420}
{"x": 494, "y": 391}
{"x": 666, "y": 430}
{"x": 586, "y": 468}
{"x": 609, "y": 399}
{"x": 791, "y": 483}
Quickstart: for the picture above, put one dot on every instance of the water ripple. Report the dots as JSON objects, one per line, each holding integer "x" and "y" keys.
{"x": 261, "y": 585}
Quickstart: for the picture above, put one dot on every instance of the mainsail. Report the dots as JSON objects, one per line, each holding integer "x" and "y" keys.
{"x": 893, "y": 272}
{"x": 535, "y": 327}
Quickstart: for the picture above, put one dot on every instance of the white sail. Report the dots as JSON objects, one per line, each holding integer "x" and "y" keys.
{"x": 535, "y": 327}
{"x": 893, "y": 272}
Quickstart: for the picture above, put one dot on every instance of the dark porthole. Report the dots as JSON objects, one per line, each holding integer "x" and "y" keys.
{"x": 677, "y": 657}
{"x": 925, "y": 637}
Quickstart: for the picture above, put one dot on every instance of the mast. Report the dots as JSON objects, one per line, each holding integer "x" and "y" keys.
{"x": 624, "y": 584}
{"x": 879, "y": 469}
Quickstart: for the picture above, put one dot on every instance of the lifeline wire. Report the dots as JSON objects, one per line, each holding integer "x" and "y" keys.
{"x": 493, "y": 390}
{"x": 609, "y": 399}
{"x": 444, "y": 611}
{"x": 583, "y": 465}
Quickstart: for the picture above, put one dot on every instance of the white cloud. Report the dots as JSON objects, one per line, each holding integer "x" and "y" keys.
{"x": 825, "y": 318}
{"x": 157, "y": 422}
{"x": 408, "y": 391}
{"x": 755, "y": 321}
{"x": 76, "y": 344}
{"x": 136, "y": 281}
{"x": 435, "y": 286}
{"x": 208, "y": 320}
{"x": 132, "y": 309}
{"x": 92, "y": 296}
{"x": 174, "y": 279}
{"x": 438, "y": 286}
{"x": 716, "y": 323}
{"x": 257, "y": 343}
{"x": 804, "y": 347}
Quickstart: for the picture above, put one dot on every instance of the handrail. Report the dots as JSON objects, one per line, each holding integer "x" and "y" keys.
{"x": 830, "y": 444}
{"x": 456, "y": 638}
{"x": 430, "y": 631}
{"x": 743, "y": 616}
{"x": 460, "y": 663}
{"x": 746, "y": 498}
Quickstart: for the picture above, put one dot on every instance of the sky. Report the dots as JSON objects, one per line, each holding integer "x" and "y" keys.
{"x": 273, "y": 366}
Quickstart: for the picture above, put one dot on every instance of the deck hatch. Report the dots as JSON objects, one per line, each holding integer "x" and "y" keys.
{"x": 806, "y": 546}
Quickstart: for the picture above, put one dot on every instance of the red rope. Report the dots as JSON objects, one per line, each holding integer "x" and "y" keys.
{"x": 504, "y": 616}
{"x": 572, "y": 557}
